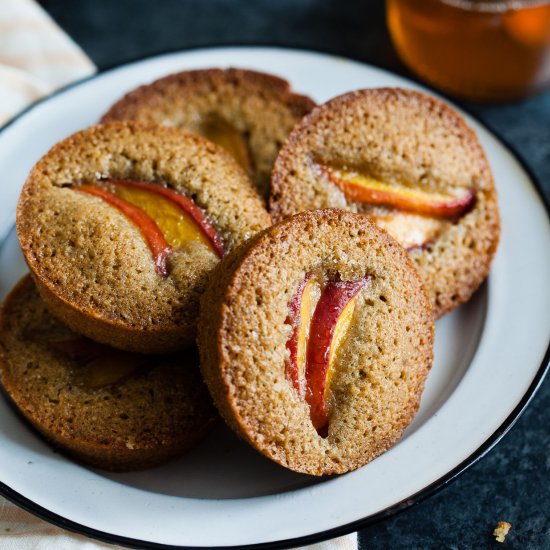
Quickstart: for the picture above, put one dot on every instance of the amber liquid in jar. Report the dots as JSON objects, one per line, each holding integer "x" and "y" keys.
{"x": 478, "y": 50}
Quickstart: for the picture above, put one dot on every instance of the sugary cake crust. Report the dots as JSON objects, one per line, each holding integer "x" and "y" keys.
{"x": 399, "y": 136}
{"x": 260, "y": 106}
{"x": 378, "y": 380}
{"x": 136, "y": 423}
{"x": 92, "y": 266}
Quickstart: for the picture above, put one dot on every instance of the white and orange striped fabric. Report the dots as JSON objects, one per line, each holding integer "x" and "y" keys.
{"x": 36, "y": 58}
{"x": 20, "y": 530}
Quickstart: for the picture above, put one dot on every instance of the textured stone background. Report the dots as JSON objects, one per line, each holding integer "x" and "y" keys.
{"x": 513, "y": 482}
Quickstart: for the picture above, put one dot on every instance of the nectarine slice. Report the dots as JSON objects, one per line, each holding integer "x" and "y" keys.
{"x": 148, "y": 228}
{"x": 364, "y": 189}
{"x": 227, "y": 136}
{"x": 411, "y": 231}
{"x": 301, "y": 309}
{"x": 329, "y": 327}
{"x": 178, "y": 217}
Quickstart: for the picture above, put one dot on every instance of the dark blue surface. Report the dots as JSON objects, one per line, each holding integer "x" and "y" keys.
{"x": 513, "y": 482}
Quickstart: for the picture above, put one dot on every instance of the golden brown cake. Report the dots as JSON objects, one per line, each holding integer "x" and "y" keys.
{"x": 121, "y": 223}
{"x": 315, "y": 340}
{"x": 248, "y": 112}
{"x": 109, "y": 408}
{"x": 410, "y": 163}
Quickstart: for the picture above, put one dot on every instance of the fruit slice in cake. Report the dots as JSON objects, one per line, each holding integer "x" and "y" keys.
{"x": 411, "y": 163}
{"x": 105, "y": 407}
{"x": 121, "y": 225}
{"x": 322, "y": 339}
{"x": 364, "y": 189}
{"x": 165, "y": 218}
{"x": 329, "y": 327}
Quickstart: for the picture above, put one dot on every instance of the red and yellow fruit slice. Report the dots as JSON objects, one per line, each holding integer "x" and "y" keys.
{"x": 227, "y": 136}
{"x": 148, "y": 228}
{"x": 411, "y": 231}
{"x": 301, "y": 309}
{"x": 364, "y": 189}
{"x": 166, "y": 219}
{"x": 179, "y": 218}
{"x": 319, "y": 330}
{"x": 329, "y": 327}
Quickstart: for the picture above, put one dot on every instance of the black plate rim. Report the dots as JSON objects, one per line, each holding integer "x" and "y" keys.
{"x": 405, "y": 504}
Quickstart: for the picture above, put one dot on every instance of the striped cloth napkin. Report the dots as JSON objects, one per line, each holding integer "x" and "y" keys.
{"x": 36, "y": 58}
{"x": 20, "y": 530}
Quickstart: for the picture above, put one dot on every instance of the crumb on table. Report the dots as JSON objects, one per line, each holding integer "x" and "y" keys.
{"x": 501, "y": 530}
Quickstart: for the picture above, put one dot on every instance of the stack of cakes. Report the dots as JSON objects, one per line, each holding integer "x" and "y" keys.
{"x": 150, "y": 231}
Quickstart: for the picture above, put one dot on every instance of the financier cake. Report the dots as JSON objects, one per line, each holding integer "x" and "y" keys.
{"x": 247, "y": 112}
{"x": 109, "y": 408}
{"x": 411, "y": 164}
{"x": 121, "y": 223}
{"x": 315, "y": 341}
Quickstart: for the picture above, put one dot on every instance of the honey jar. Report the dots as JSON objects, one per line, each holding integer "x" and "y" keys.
{"x": 478, "y": 50}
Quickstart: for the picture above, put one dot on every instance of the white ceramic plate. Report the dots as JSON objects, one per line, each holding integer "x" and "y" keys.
{"x": 489, "y": 360}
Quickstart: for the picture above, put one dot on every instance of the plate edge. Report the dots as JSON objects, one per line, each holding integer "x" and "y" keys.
{"x": 399, "y": 507}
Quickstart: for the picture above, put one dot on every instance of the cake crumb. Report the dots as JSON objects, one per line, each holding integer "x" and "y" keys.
{"x": 501, "y": 530}
{"x": 130, "y": 443}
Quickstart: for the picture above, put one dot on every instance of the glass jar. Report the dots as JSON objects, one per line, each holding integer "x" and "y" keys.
{"x": 479, "y": 50}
